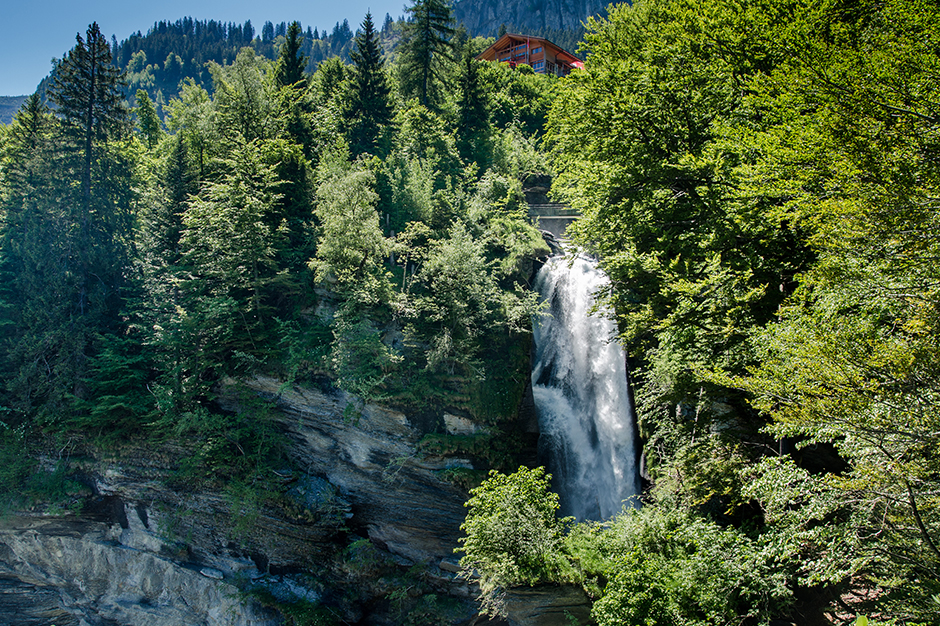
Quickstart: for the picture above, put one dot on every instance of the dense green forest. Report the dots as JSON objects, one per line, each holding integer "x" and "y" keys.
{"x": 173, "y": 52}
{"x": 758, "y": 178}
{"x": 354, "y": 226}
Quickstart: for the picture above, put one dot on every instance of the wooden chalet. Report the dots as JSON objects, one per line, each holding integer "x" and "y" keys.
{"x": 540, "y": 54}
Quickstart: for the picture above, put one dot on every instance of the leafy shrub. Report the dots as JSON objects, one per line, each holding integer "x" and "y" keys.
{"x": 512, "y": 534}
{"x": 676, "y": 569}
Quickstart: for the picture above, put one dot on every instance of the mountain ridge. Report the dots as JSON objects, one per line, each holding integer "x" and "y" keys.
{"x": 485, "y": 17}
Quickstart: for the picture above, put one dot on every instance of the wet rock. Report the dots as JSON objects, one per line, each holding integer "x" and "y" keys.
{"x": 212, "y": 573}
{"x": 457, "y": 425}
{"x": 547, "y": 605}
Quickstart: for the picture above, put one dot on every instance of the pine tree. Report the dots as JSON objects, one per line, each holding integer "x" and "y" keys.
{"x": 426, "y": 50}
{"x": 70, "y": 249}
{"x": 291, "y": 63}
{"x": 27, "y": 137}
{"x": 87, "y": 91}
{"x": 367, "y": 107}
{"x": 22, "y": 171}
{"x": 162, "y": 223}
{"x": 147, "y": 119}
{"x": 473, "y": 123}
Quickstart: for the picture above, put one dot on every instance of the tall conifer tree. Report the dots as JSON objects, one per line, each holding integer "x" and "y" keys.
{"x": 473, "y": 123}
{"x": 147, "y": 119}
{"x": 88, "y": 96}
{"x": 367, "y": 107}
{"x": 426, "y": 50}
{"x": 292, "y": 62}
{"x": 72, "y": 249}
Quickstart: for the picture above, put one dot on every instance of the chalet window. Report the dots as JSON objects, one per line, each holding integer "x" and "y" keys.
{"x": 536, "y": 50}
{"x": 538, "y": 66}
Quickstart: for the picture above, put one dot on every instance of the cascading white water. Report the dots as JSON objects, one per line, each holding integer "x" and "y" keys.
{"x": 581, "y": 396}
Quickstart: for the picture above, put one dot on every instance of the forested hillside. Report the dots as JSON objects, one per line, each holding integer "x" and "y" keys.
{"x": 759, "y": 180}
{"x": 557, "y": 20}
{"x": 170, "y": 53}
{"x": 326, "y": 226}
{"x": 9, "y": 105}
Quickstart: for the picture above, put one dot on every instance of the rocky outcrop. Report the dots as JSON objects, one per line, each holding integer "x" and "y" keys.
{"x": 484, "y": 17}
{"x": 547, "y": 605}
{"x": 72, "y": 570}
{"x": 370, "y": 454}
{"x": 361, "y": 511}
{"x": 149, "y": 548}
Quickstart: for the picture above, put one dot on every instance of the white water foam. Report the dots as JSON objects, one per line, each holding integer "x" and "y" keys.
{"x": 579, "y": 382}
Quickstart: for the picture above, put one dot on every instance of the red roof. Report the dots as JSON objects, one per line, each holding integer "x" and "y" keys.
{"x": 510, "y": 39}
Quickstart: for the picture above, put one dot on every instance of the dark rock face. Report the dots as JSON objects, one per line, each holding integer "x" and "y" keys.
{"x": 145, "y": 551}
{"x": 24, "y": 604}
{"x": 484, "y": 17}
{"x": 372, "y": 458}
{"x": 547, "y": 605}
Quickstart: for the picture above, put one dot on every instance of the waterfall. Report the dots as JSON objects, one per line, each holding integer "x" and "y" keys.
{"x": 579, "y": 382}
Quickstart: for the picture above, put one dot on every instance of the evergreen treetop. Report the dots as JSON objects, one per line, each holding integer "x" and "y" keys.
{"x": 426, "y": 51}
{"x": 367, "y": 107}
{"x": 291, "y": 62}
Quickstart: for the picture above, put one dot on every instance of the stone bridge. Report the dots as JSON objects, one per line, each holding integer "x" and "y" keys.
{"x": 554, "y": 218}
{"x": 546, "y": 215}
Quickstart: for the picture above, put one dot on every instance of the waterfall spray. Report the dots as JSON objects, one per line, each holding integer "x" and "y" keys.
{"x": 579, "y": 382}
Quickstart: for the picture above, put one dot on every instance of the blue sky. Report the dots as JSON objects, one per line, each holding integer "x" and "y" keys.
{"x": 35, "y": 33}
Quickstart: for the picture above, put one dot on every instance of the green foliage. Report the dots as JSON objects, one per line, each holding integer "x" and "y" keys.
{"x": 87, "y": 93}
{"x": 367, "y": 104}
{"x": 496, "y": 397}
{"x": 517, "y": 99}
{"x": 303, "y": 349}
{"x": 67, "y": 204}
{"x": 359, "y": 359}
{"x": 118, "y": 403}
{"x": 235, "y": 449}
{"x": 229, "y": 236}
{"x": 244, "y": 97}
{"x": 192, "y": 117}
{"x": 426, "y": 52}
{"x": 291, "y": 62}
{"x": 636, "y": 141}
{"x": 352, "y": 246}
{"x": 512, "y": 534}
{"x": 473, "y": 124}
{"x": 852, "y": 360}
{"x": 27, "y": 483}
{"x": 673, "y": 568}
{"x": 756, "y": 179}
{"x": 496, "y": 449}
{"x": 15, "y": 467}
{"x": 147, "y": 119}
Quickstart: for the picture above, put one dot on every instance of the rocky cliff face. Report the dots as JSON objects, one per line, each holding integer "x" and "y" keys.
{"x": 368, "y": 532}
{"x": 74, "y": 570}
{"x": 484, "y": 17}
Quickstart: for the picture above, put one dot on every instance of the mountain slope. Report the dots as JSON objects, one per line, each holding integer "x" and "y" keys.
{"x": 484, "y": 17}
{"x": 9, "y": 105}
